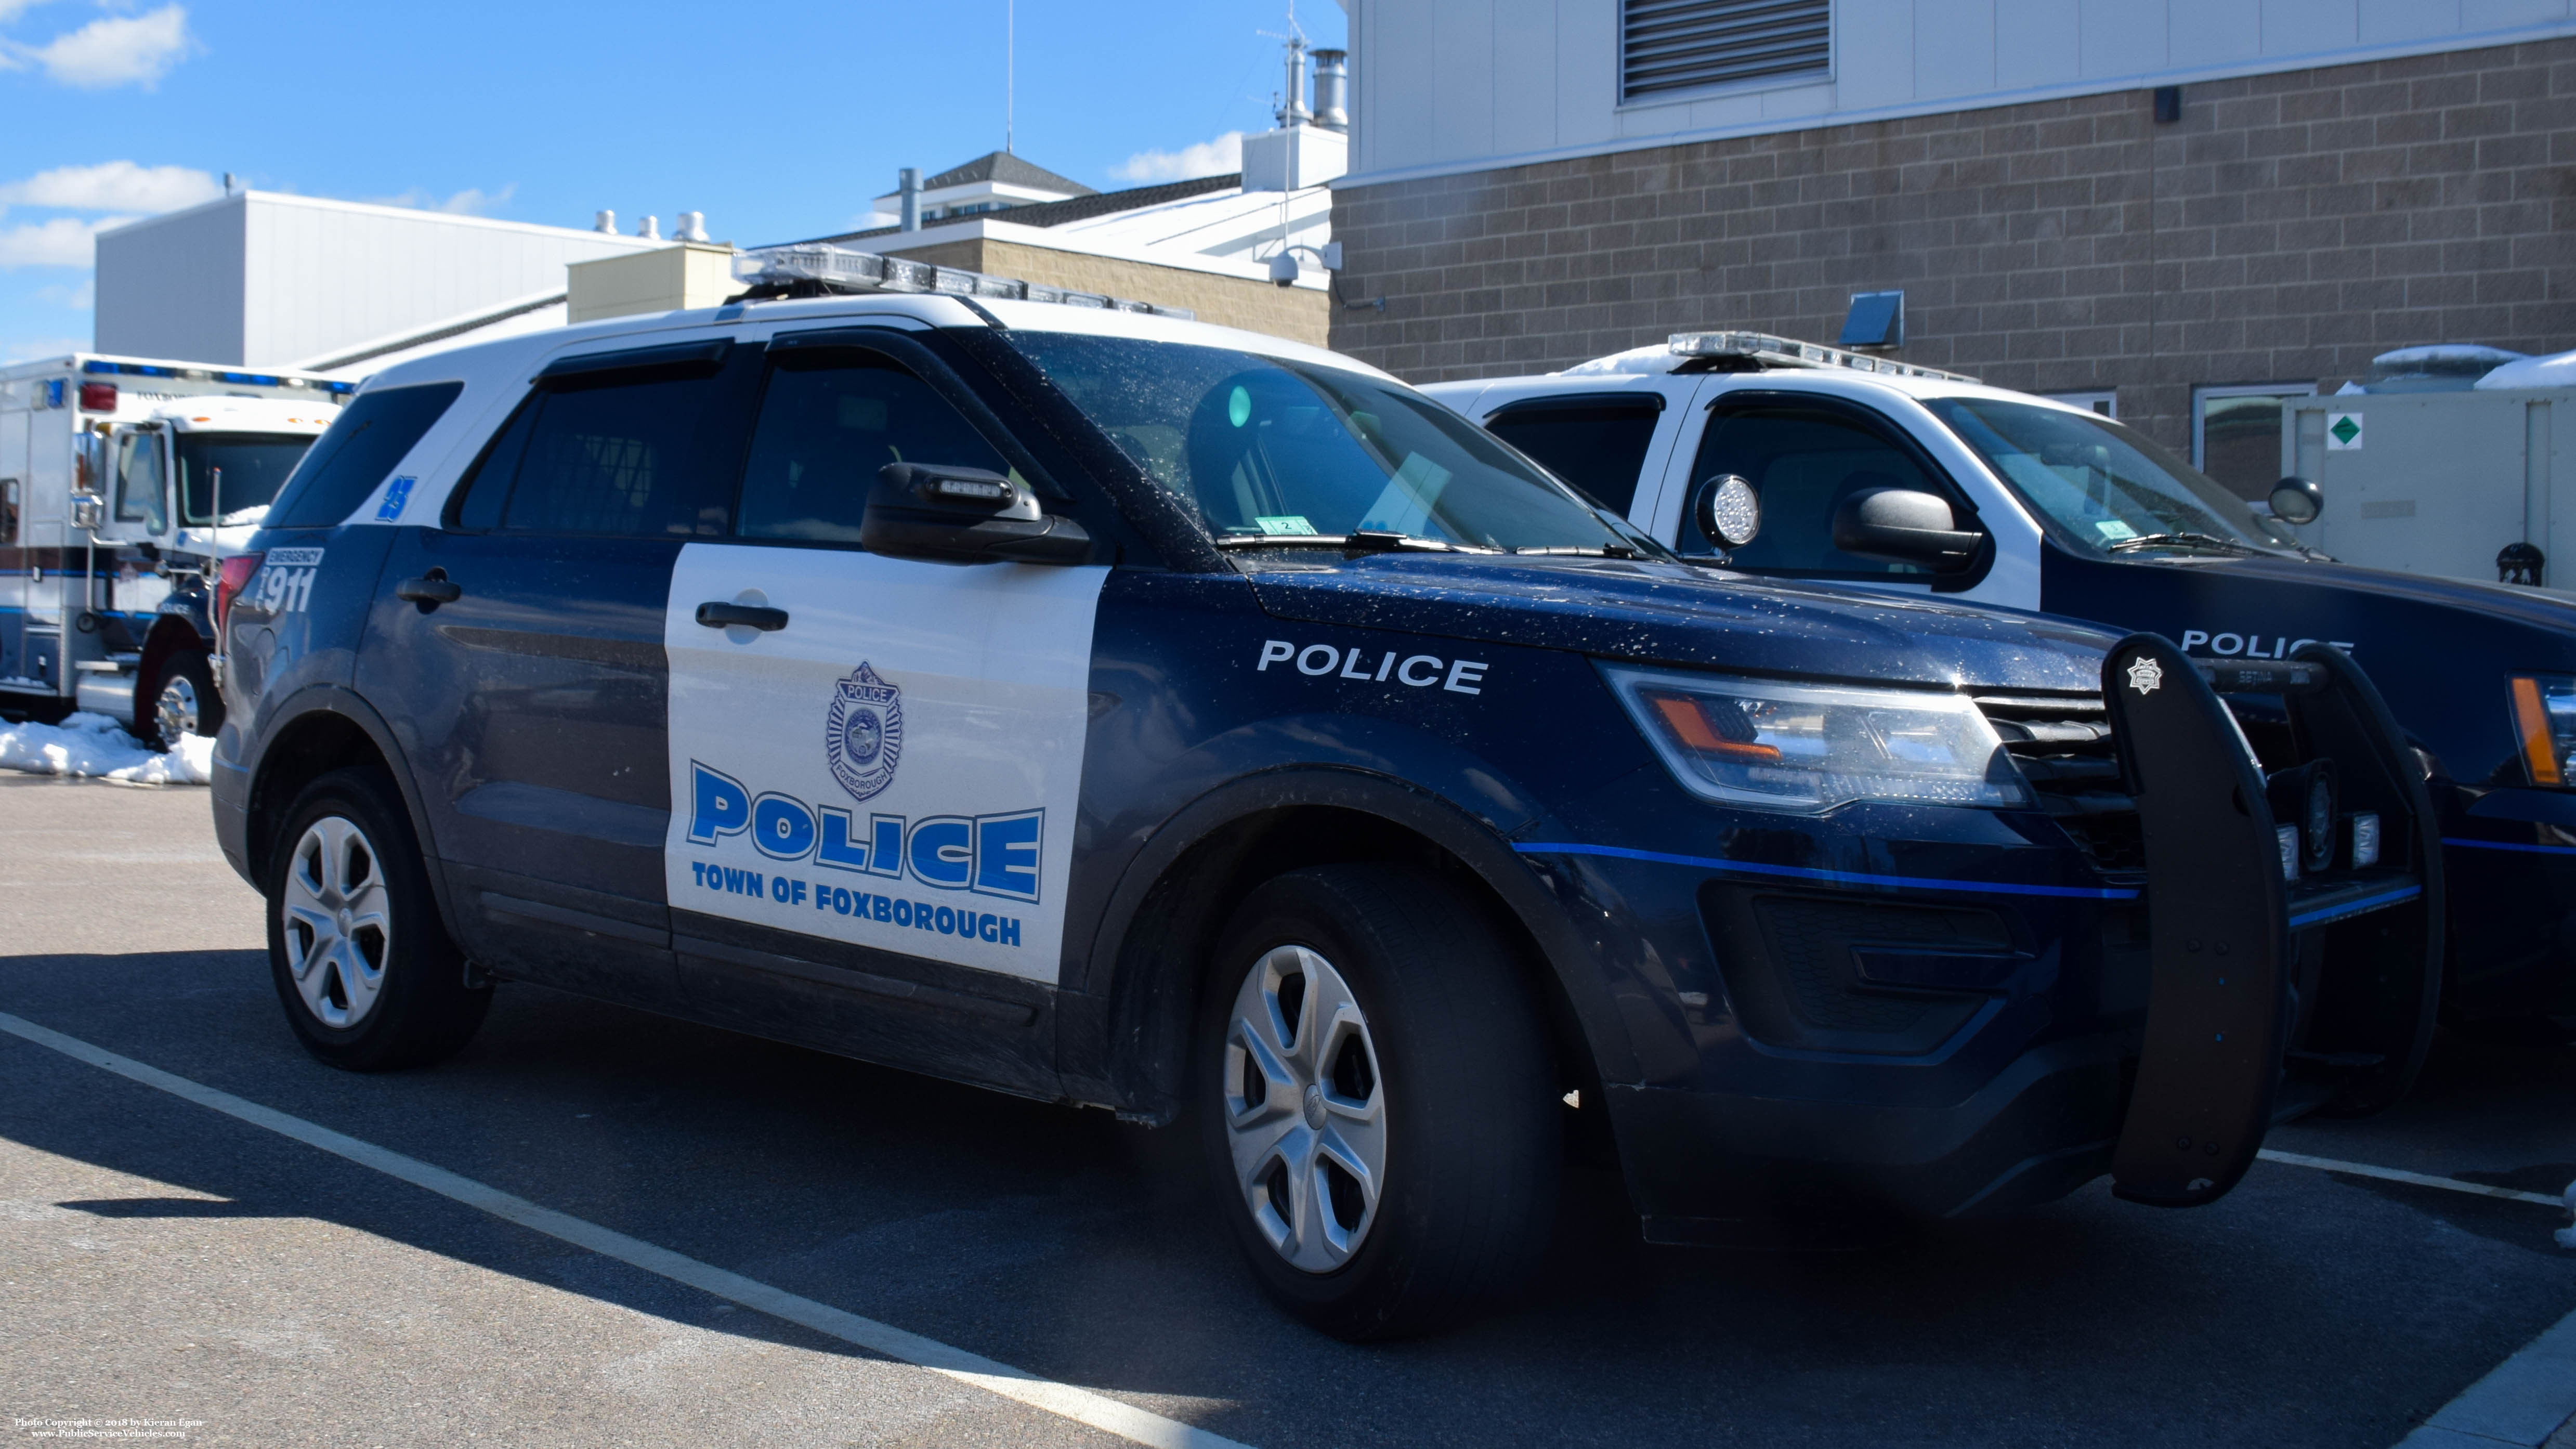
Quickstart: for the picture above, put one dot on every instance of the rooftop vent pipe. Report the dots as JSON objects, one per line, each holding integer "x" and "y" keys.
{"x": 908, "y": 186}
{"x": 693, "y": 226}
{"x": 1292, "y": 107}
{"x": 651, "y": 230}
{"x": 1332, "y": 90}
{"x": 606, "y": 221}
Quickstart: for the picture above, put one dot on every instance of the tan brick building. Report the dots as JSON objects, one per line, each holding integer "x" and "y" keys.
{"x": 2288, "y": 223}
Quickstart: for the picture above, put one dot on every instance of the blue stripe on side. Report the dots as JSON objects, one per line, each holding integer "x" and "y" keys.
{"x": 2505, "y": 845}
{"x": 2354, "y": 908}
{"x": 1837, "y": 877}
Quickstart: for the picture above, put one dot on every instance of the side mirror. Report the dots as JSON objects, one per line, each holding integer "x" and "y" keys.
{"x": 1904, "y": 526}
{"x": 964, "y": 515}
{"x": 2297, "y": 500}
{"x": 1727, "y": 511}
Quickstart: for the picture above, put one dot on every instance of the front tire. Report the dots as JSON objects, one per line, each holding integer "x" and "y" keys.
{"x": 361, "y": 961}
{"x": 183, "y": 701}
{"x": 1376, "y": 1099}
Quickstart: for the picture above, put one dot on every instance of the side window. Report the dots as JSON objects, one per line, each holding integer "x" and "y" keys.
{"x": 1598, "y": 444}
{"x": 139, "y": 491}
{"x": 8, "y": 510}
{"x": 829, "y": 419}
{"x": 1804, "y": 461}
{"x": 636, "y": 453}
{"x": 364, "y": 443}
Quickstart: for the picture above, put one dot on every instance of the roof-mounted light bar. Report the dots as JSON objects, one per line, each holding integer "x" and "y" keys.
{"x": 1773, "y": 351}
{"x": 102, "y": 367}
{"x": 839, "y": 269}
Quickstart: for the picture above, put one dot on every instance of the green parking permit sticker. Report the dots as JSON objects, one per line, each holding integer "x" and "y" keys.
{"x": 2113, "y": 530}
{"x": 1289, "y": 523}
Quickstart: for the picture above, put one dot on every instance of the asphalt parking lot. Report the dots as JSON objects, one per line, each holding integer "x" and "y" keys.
{"x": 163, "y": 1261}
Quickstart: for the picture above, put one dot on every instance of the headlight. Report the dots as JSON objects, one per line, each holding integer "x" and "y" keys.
{"x": 1813, "y": 747}
{"x": 2544, "y": 724}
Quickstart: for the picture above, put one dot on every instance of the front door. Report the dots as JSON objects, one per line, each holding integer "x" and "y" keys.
{"x": 1804, "y": 455}
{"x": 874, "y": 762}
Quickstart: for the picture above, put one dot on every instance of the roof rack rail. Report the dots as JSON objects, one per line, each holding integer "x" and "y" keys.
{"x": 819, "y": 269}
{"x": 1771, "y": 351}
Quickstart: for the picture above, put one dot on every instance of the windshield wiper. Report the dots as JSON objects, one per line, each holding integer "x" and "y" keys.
{"x": 1365, "y": 540}
{"x": 1578, "y": 550}
{"x": 2180, "y": 540}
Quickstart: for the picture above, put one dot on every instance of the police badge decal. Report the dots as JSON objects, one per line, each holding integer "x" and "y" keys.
{"x": 863, "y": 734}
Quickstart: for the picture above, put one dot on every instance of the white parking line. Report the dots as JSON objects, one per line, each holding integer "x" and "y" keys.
{"x": 1080, "y": 1405}
{"x": 2419, "y": 1179}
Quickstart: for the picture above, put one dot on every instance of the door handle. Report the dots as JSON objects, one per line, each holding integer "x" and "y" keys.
{"x": 720, "y": 616}
{"x": 429, "y": 591}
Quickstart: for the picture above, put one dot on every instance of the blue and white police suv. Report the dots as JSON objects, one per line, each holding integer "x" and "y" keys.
{"x": 1118, "y": 710}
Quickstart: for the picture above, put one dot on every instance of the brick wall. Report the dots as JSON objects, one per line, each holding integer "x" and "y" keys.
{"x": 2289, "y": 227}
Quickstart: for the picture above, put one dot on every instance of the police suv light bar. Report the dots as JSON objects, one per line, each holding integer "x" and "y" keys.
{"x": 839, "y": 269}
{"x": 1773, "y": 351}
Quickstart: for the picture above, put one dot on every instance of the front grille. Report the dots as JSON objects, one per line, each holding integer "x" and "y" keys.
{"x": 2064, "y": 747}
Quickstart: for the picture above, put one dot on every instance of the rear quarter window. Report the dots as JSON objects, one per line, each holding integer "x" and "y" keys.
{"x": 370, "y": 436}
{"x": 1598, "y": 445}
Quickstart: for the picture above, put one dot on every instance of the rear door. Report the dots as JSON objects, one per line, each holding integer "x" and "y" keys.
{"x": 1603, "y": 443}
{"x": 874, "y": 785}
{"x": 516, "y": 650}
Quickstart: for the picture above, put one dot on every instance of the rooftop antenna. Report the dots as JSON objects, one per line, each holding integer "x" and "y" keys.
{"x": 1292, "y": 101}
{"x": 1010, "y": 71}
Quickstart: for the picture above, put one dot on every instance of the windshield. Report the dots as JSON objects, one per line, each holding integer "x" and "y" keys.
{"x": 253, "y": 465}
{"x": 1272, "y": 452}
{"x": 2101, "y": 482}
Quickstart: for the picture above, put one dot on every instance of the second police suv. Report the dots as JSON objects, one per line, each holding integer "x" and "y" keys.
{"x": 1115, "y": 709}
{"x": 1876, "y": 474}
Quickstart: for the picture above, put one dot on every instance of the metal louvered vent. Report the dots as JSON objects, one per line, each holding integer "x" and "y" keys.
{"x": 1670, "y": 45}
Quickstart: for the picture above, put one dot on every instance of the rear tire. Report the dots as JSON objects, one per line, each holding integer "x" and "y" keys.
{"x": 1376, "y": 1102}
{"x": 361, "y": 961}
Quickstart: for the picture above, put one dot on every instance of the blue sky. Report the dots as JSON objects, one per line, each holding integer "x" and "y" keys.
{"x": 777, "y": 122}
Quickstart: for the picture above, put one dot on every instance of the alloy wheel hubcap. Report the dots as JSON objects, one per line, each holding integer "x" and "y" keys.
{"x": 339, "y": 922}
{"x": 1305, "y": 1111}
{"x": 176, "y": 711}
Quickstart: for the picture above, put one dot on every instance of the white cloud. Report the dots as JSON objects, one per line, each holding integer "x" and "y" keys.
{"x": 80, "y": 299}
{"x": 115, "y": 50}
{"x": 28, "y": 349}
{"x": 12, "y": 9}
{"x": 472, "y": 201}
{"x": 113, "y": 186}
{"x": 1207, "y": 158}
{"x": 62, "y": 242}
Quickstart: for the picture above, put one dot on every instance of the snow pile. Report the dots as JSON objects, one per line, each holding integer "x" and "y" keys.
{"x": 2556, "y": 370}
{"x": 93, "y": 744}
{"x": 1635, "y": 362}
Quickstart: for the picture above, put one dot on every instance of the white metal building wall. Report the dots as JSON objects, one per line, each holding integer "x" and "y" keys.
{"x": 171, "y": 286}
{"x": 264, "y": 280}
{"x": 1457, "y": 85}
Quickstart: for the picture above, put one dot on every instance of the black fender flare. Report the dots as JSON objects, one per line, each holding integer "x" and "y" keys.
{"x": 347, "y": 704}
{"x": 1559, "y": 949}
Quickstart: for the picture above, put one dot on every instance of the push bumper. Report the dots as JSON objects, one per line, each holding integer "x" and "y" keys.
{"x": 2273, "y": 990}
